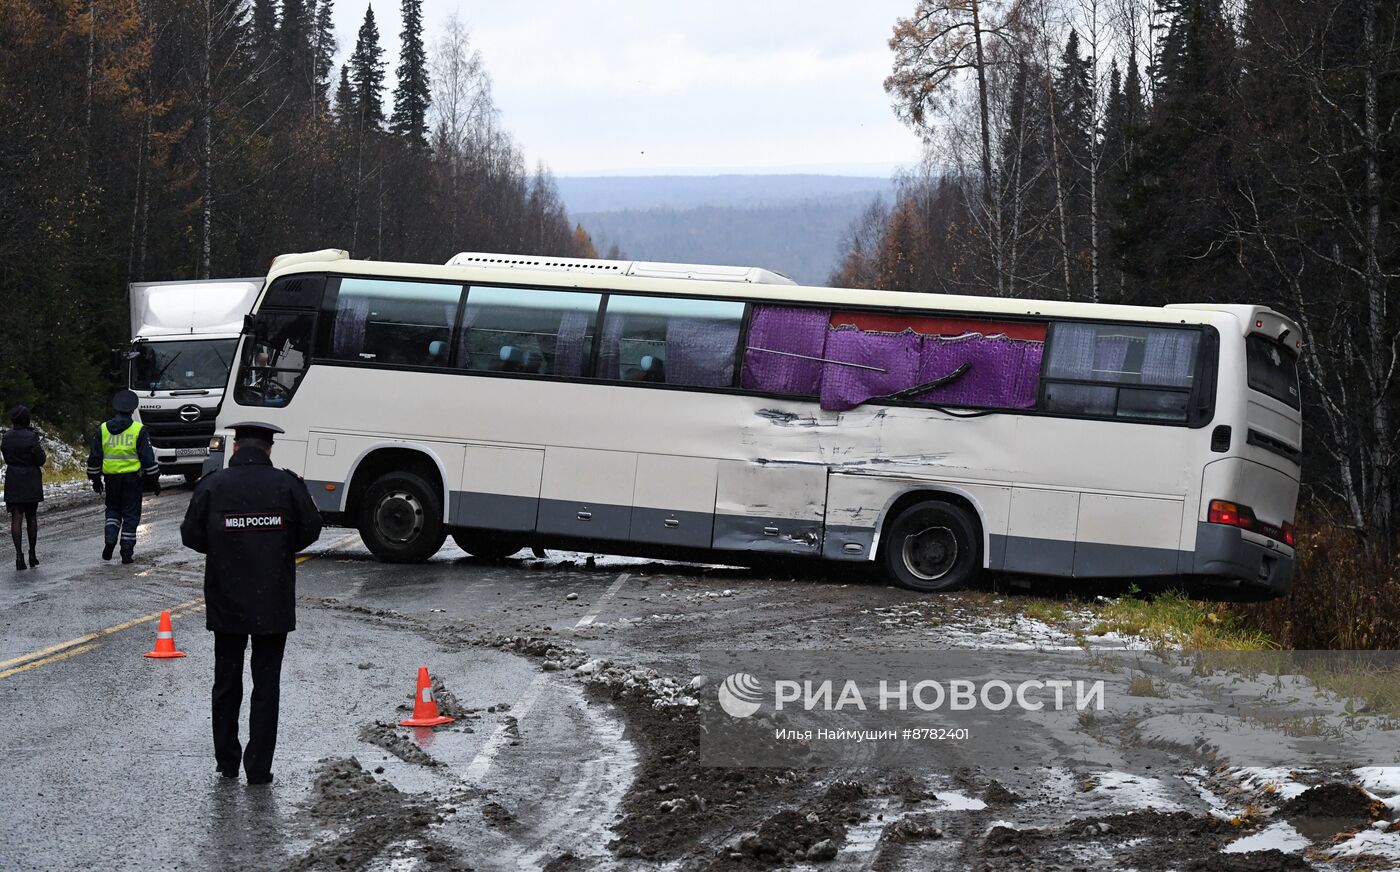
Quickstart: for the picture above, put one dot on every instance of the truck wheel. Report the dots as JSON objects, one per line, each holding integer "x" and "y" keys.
{"x": 401, "y": 519}
{"x": 933, "y": 546}
{"x": 487, "y": 546}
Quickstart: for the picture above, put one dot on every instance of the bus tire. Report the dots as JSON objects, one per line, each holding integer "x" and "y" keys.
{"x": 401, "y": 520}
{"x": 933, "y": 546}
{"x": 487, "y": 546}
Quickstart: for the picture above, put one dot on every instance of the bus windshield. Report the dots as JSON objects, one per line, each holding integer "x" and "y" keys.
{"x": 186, "y": 365}
{"x": 1273, "y": 369}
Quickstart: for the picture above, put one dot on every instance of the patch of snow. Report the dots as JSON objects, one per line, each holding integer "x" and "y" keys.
{"x": 1369, "y": 843}
{"x": 1216, "y": 807}
{"x": 1380, "y": 780}
{"x": 1135, "y": 791}
{"x": 1008, "y": 824}
{"x": 954, "y": 801}
{"x": 1280, "y": 836}
{"x": 1280, "y": 778}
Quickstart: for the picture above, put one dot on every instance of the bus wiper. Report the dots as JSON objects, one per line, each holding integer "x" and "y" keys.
{"x": 911, "y": 392}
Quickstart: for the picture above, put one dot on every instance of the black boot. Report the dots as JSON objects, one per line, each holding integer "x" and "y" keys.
{"x": 33, "y": 560}
{"x": 108, "y": 549}
{"x": 19, "y": 561}
{"x": 127, "y": 558}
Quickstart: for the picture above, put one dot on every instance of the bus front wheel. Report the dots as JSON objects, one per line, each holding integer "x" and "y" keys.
{"x": 933, "y": 546}
{"x": 401, "y": 520}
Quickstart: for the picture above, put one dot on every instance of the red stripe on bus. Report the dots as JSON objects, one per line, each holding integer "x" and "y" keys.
{"x": 933, "y": 326}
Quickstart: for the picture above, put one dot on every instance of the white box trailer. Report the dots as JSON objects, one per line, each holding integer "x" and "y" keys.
{"x": 183, "y": 338}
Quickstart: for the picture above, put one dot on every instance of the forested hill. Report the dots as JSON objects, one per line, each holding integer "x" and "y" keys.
{"x": 157, "y": 139}
{"x": 794, "y": 224}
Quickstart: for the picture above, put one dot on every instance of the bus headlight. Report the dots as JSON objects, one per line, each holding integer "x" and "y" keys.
{"x": 216, "y": 443}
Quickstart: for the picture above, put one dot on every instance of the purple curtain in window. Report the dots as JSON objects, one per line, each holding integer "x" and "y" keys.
{"x": 700, "y": 352}
{"x": 845, "y": 387}
{"x": 1002, "y": 373}
{"x": 795, "y": 331}
{"x": 348, "y": 329}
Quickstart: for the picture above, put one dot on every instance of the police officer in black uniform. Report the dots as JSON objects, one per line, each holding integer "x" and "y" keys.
{"x": 249, "y": 521}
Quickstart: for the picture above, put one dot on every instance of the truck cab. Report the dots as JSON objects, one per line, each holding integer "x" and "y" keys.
{"x": 183, "y": 338}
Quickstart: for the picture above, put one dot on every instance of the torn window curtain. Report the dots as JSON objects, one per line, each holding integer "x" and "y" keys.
{"x": 348, "y": 330}
{"x": 700, "y": 352}
{"x": 883, "y": 364}
{"x": 1002, "y": 373}
{"x": 792, "y": 332}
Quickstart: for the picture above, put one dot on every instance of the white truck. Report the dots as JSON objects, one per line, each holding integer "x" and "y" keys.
{"x": 183, "y": 337}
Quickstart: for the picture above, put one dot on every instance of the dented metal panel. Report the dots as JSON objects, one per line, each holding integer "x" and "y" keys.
{"x": 765, "y": 506}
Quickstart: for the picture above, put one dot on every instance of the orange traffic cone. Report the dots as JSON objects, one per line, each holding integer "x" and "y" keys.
{"x": 165, "y": 639}
{"x": 425, "y": 711}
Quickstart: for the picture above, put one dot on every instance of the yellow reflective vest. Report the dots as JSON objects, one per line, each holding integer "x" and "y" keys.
{"x": 119, "y": 450}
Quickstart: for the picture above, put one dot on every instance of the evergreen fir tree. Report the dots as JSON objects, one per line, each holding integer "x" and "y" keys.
{"x": 323, "y": 46}
{"x": 412, "y": 95}
{"x": 264, "y": 23}
{"x": 345, "y": 110}
{"x": 294, "y": 44}
{"x": 367, "y": 73}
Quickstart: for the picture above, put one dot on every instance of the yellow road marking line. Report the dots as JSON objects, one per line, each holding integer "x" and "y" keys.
{"x": 117, "y": 628}
{"x": 42, "y": 656}
{"x": 329, "y": 548}
{"x": 47, "y": 660}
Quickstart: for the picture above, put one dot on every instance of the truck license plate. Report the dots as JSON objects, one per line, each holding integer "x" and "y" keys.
{"x": 191, "y": 452}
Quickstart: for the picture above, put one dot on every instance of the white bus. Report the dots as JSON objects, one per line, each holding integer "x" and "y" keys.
{"x": 719, "y": 412}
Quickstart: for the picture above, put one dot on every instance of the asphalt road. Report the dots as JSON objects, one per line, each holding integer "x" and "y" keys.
{"x": 580, "y": 742}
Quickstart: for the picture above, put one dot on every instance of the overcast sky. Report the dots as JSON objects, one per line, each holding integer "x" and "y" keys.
{"x": 628, "y": 86}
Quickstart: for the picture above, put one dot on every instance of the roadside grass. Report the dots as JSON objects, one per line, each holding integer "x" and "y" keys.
{"x": 1164, "y": 620}
{"x": 1174, "y": 620}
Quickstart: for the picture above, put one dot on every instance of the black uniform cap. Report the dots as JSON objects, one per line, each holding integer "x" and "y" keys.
{"x": 255, "y": 430}
{"x": 125, "y": 401}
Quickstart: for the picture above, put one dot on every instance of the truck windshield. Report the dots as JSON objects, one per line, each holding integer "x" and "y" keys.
{"x": 1273, "y": 369}
{"x": 179, "y": 366}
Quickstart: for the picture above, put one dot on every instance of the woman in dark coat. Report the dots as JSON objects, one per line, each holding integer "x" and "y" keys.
{"x": 24, "y": 481}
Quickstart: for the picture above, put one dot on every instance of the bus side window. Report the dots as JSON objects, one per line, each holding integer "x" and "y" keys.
{"x": 396, "y": 322}
{"x": 528, "y": 331}
{"x": 1121, "y": 370}
{"x": 665, "y": 340}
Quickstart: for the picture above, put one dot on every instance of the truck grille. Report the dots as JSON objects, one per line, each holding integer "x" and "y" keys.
{"x": 167, "y": 430}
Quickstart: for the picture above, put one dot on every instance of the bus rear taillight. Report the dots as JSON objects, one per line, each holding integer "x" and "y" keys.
{"x": 1237, "y": 515}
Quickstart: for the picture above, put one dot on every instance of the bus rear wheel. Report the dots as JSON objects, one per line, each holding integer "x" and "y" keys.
{"x": 401, "y": 519}
{"x": 933, "y": 546}
{"x": 487, "y": 546}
